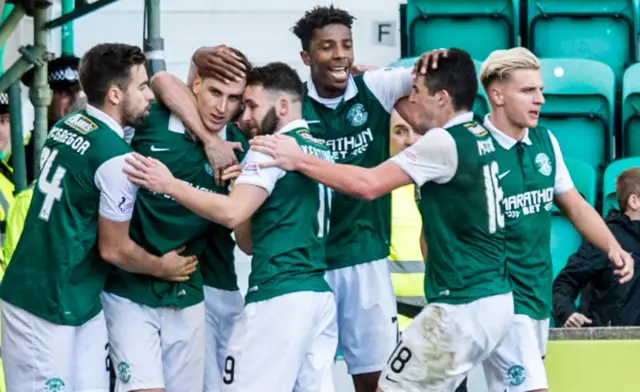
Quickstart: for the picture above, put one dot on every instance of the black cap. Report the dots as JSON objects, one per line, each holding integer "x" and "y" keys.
{"x": 63, "y": 74}
{"x": 4, "y": 103}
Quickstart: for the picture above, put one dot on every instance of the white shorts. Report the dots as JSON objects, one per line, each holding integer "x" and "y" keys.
{"x": 367, "y": 315}
{"x": 516, "y": 364}
{"x": 444, "y": 342}
{"x": 40, "y": 356}
{"x": 222, "y": 309}
{"x": 155, "y": 347}
{"x": 286, "y": 343}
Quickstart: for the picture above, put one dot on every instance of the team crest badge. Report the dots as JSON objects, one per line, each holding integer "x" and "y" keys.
{"x": 208, "y": 168}
{"x": 124, "y": 372}
{"x": 54, "y": 385}
{"x": 357, "y": 115}
{"x": 543, "y": 163}
{"x": 516, "y": 375}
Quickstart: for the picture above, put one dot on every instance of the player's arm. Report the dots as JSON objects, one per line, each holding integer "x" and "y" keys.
{"x": 423, "y": 246}
{"x": 587, "y": 263}
{"x": 586, "y": 220}
{"x": 250, "y": 189}
{"x": 433, "y": 158}
{"x": 117, "y": 198}
{"x": 177, "y": 96}
{"x": 244, "y": 240}
{"x": 389, "y": 84}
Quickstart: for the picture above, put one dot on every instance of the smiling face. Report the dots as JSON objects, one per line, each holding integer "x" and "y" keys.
{"x": 330, "y": 57}
{"x": 217, "y": 101}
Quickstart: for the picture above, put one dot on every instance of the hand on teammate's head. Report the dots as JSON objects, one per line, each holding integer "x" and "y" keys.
{"x": 221, "y": 62}
{"x": 428, "y": 60}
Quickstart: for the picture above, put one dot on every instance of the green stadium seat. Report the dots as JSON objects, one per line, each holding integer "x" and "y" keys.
{"x": 600, "y": 30}
{"x": 579, "y": 109}
{"x": 481, "y": 104}
{"x": 565, "y": 240}
{"x": 609, "y": 182}
{"x": 478, "y": 26}
{"x": 631, "y": 111}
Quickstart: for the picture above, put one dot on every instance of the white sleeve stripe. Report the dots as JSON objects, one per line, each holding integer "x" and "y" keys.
{"x": 115, "y": 217}
{"x": 255, "y": 181}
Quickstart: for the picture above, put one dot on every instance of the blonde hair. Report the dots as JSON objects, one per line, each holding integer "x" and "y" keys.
{"x": 501, "y": 63}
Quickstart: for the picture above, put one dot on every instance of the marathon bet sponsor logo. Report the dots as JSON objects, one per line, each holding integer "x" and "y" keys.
{"x": 527, "y": 203}
{"x": 352, "y": 145}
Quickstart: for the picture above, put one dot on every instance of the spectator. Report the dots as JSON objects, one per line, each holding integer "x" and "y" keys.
{"x": 605, "y": 302}
{"x": 406, "y": 259}
{"x": 63, "y": 80}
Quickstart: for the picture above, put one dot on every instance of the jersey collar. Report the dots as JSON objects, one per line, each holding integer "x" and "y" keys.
{"x": 105, "y": 118}
{"x": 350, "y": 92}
{"x": 459, "y": 119}
{"x": 506, "y": 141}
{"x": 295, "y": 124}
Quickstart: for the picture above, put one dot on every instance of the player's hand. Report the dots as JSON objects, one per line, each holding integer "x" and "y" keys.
{"x": 284, "y": 149}
{"x": 428, "y": 60}
{"x": 221, "y": 61}
{"x": 358, "y": 69}
{"x": 623, "y": 263}
{"x": 577, "y": 320}
{"x": 221, "y": 155}
{"x": 149, "y": 173}
{"x": 231, "y": 173}
{"x": 177, "y": 268}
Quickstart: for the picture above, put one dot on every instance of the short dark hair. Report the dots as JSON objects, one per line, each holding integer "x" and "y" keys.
{"x": 279, "y": 77}
{"x": 107, "y": 64}
{"x": 456, "y": 74}
{"x": 318, "y": 18}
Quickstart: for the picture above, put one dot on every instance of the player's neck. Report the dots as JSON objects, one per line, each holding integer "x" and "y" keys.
{"x": 112, "y": 112}
{"x": 325, "y": 92}
{"x": 507, "y": 127}
{"x": 284, "y": 121}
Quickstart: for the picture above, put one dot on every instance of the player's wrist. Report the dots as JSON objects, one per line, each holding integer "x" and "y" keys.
{"x": 174, "y": 187}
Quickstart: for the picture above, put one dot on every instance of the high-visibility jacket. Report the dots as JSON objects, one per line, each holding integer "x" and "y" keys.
{"x": 15, "y": 222}
{"x": 405, "y": 256}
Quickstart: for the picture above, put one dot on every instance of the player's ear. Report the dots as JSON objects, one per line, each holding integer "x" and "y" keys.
{"x": 115, "y": 95}
{"x": 306, "y": 57}
{"x": 495, "y": 94}
{"x": 197, "y": 84}
{"x": 283, "y": 106}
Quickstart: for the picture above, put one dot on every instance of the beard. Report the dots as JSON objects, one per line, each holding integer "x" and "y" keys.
{"x": 269, "y": 123}
{"x": 132, "y": 117}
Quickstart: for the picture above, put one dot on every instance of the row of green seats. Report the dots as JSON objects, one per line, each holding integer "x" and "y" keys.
{"x": 577, "y": 108}
{"x": 602, "y": 30}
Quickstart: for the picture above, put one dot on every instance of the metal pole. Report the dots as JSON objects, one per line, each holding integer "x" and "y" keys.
{"x": 17, "y": 138}
{"x": 67, "y": 28}
{"x": 40, "y": 93}
{"x": 153, "y": 42}
{"x": 11, "y": 22}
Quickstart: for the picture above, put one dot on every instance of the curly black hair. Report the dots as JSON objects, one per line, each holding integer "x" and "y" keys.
{"x": 277, "y": 76}
{"x": 318, "y": 18}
